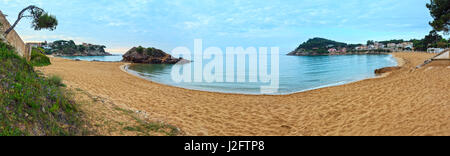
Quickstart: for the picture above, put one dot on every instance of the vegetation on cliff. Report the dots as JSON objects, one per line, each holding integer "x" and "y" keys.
{"x": 319, "y": 45}
{"x": 69, "y": 48}
{"x": 31, "y": 104}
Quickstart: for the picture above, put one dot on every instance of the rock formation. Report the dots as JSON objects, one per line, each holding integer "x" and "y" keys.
{"x": 386, "y": 70}
{"x": 149, "y": 56}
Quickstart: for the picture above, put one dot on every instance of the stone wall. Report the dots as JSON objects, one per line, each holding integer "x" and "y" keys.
{"x": 13, "y": 38}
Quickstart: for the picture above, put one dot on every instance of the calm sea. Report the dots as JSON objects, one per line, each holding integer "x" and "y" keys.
{"x": 113, "y": 58}
{"x": 296, "y": 73}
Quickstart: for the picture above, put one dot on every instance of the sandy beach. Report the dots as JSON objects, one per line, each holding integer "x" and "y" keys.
{"x": 406, "y": 102}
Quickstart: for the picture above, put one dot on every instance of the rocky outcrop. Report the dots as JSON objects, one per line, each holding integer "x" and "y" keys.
{"x": 386, "y": 70}
{"x": 150, "y": 56}
{"x": 69, "y": 48}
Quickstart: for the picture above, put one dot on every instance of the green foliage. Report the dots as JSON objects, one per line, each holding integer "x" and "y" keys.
{"x": 392, "y": 41}
{"x": 155, "y": 52}
{"x": 440, "y": 11}
{"x": 45, "y": 21}
{"x": 38, "y": 58}
{"x": 56, "y": 80}
{"x": 140, "y": 49}
{"x": 432, "y": 38}
{"x": 353, "y": 46}
{"x": 31, "y": 104}
{"x": 320, "y": 45}
{"x": 442, "y": 44}
{"x": 419, "y": 45}
{"x": 64, "y": 47}
{"x": 70, "y": 48}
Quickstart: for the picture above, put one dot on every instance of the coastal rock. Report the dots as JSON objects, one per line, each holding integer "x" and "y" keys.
{"x": 150, "y": 56}
{"x": 386, "y": 70}
{"x": 303, "y": 53}
{"x": 69, "y": 48}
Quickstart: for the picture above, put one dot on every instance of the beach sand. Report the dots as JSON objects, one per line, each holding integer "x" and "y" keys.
{"x": 406, "y": 102}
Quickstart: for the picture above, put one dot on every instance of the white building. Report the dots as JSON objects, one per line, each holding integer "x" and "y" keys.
{"x": 435, "y": 50}
{"x": 391, "y": 45}
{"x": 409, "y": 45}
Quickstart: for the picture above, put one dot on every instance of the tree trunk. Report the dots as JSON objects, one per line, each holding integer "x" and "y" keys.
{"x": 19, "y": 17}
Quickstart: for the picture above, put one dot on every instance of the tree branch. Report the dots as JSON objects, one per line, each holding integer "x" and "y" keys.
{"x": 19, "y": 17}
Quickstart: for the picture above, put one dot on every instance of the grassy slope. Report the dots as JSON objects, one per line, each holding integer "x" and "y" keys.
{"x": 38, "y": 58}
{"x": 31, "y": 104}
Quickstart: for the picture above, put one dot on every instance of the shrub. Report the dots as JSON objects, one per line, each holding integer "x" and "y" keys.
{"x": 38, "y": 58}
{"x": 140, "y": 49}
{"x": 56, "y": 80}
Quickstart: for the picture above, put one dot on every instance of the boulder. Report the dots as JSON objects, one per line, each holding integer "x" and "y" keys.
{"x": 386, "y": 70}
{"x": 149, "y": 56}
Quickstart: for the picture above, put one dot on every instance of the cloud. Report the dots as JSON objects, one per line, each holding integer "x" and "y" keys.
{"x": 126, "y": 23}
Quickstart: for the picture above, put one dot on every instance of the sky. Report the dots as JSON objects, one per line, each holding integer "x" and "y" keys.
{"x": 167, "y": 24}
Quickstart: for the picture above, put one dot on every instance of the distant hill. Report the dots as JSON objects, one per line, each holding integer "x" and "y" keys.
{"x": 322, "y": 46}
{"x": 69, "y": 48}
{"x": 320, "y": 43}
{"x": 317, "y": 46}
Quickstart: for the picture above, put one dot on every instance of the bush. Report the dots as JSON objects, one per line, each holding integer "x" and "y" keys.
{"x": 38, "y": 58}
{"x": 56, "y": 80}
{"x": 140, "y": 49}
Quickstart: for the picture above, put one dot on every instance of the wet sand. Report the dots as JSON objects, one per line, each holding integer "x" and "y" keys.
{"x": 406, "y": 102}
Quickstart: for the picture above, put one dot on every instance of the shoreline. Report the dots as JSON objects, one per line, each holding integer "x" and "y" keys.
{"x": 400, "y": 63}
{"x": 125, "y": 69}
{"x": 408, "y": 98}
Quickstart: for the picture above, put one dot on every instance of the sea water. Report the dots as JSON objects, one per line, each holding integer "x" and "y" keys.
{"x": 296, "y": 73}
{"x": 112, "y": 58}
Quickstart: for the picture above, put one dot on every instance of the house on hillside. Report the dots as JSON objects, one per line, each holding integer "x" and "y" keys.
{"x": 408, "y": 45}
{"x": 332, "y": 50}
{"x": 363, "y": 47}
{"x": 391, "y": 45}
{"x": 379, "y": 45}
